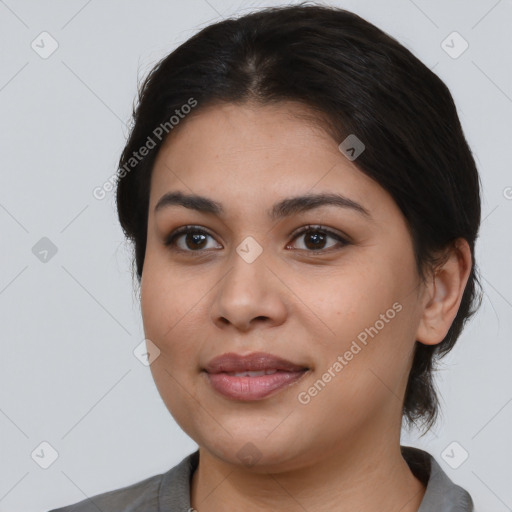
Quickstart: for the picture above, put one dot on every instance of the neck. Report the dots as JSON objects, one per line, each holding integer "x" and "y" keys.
{"x": 364, "y": 475}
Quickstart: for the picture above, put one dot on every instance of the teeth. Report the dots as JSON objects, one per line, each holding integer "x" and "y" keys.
{"x": 252, "y": 374}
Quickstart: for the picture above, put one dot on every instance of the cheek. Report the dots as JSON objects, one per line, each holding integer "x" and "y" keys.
{"x": 348, "y": 301}
{"x": 166, "y": 325}
{"x": 169, "y": 307}
{"x": 169, "y": 310}
{"x": 371, "y": 324}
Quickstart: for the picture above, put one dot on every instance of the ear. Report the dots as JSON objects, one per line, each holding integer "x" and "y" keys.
{"x": 444, "y": 294}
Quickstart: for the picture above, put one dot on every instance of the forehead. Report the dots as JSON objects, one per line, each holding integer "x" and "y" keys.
{"x": 256, "y": 154}
{"x": 228, "y": 130}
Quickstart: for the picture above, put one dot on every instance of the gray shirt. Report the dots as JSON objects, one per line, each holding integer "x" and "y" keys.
{"x": 170, "y": 491}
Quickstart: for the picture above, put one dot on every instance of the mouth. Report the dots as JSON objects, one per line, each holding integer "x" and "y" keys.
{"x": 248, "y": 373}
{"x": 252, "y": 377}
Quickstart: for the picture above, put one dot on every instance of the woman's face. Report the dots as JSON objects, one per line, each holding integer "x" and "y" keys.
{"x": 248, "y": 279}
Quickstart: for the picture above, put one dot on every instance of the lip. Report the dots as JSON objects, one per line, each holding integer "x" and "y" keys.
{"x": 257, "y": 361}
{"x": 282, "y": 373}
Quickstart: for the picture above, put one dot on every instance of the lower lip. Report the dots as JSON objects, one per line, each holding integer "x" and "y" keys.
{"x": 252, "y": 388}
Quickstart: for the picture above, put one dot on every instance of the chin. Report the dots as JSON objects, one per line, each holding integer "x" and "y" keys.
{"x": 259, "y": 453}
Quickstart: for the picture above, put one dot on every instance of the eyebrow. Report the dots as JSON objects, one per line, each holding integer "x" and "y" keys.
{"x": 283, "y": 208}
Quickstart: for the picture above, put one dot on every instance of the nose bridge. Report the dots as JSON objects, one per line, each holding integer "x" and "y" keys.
{"x": 248, "y": 290}
{"x": 246, "y": 281}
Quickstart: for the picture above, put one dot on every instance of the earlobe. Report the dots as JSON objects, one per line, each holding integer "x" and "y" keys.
{"x": 445, "y": 291}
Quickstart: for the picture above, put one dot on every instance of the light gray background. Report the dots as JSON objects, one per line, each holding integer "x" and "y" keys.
{"x": 70, "y": 325}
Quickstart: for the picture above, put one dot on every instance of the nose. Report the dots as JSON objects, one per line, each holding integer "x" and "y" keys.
{"x": 249, "y": 294}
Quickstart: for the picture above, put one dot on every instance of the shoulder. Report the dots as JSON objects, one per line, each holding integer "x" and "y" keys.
{"x": 142, "y": 495}
{"x": 146, "y": 495}
{"x": 442, "y": 494}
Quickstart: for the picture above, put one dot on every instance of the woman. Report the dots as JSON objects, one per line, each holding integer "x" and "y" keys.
{"x": 304, "y": 208}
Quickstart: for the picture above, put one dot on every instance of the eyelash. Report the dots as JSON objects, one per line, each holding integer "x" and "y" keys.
{"x": 170, "y": 240}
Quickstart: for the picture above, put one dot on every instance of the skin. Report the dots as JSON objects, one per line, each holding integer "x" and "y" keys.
{"x": 340, "y": 451}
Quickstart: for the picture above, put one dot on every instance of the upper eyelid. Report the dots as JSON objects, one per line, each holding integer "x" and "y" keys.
{"x": 317, "y": 227}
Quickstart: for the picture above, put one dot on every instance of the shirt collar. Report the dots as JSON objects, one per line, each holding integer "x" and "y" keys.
{"x": 441, "y": 493}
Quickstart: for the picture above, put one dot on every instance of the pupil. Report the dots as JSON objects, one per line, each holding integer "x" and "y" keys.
{"x": 318, "y": 239}
{"x": 196, "y": 237}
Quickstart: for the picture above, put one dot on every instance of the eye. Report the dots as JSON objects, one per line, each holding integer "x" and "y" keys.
{"x": 194, "y": 239}
{"x": 315, "y": 238}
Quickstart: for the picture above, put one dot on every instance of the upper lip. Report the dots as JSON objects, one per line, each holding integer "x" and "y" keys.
{"x": 257, "y": 361}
